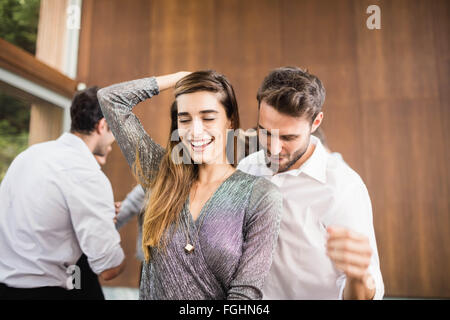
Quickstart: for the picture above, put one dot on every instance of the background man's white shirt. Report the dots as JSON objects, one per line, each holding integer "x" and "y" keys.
{"x": 323, "y": 192}
{"x": 56, "y": 205}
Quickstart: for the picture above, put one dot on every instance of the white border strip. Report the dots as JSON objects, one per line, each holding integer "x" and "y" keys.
{"x": 72, "y": 39}
{"x": 73, "y": 21}
{"x": 35, "y": 89}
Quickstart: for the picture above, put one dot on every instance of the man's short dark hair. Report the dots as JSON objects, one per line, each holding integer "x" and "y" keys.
{"x": 293, "y": 91}
{"x": 85, "y": 111}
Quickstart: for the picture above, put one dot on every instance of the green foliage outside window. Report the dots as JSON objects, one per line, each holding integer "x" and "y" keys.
{"x": 18, "y": 25}
{"x": 19, "y": 22}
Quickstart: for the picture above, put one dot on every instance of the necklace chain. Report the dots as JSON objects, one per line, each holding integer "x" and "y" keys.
{"x": 189, "y": 246}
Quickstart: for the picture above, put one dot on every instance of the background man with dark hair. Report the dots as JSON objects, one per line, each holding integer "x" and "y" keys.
{"x": 326, "y": 246}
{"x": 56, "y": 205}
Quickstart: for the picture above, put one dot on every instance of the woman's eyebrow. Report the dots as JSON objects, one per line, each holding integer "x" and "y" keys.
{"x": 209, "y": 111}
{"x": 180, "y": 114}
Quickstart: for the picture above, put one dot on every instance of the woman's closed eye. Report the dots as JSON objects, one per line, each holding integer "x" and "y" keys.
{"x": 188, "y": 120}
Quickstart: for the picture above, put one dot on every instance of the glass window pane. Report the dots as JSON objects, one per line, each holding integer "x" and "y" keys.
{"x": 14, "y": 129}
{"x": 19, "y": 22}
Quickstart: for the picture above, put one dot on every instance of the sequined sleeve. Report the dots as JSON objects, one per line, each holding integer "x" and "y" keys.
{"x": 117, "y": 102}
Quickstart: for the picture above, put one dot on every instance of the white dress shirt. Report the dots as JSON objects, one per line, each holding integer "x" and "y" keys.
{"x": 323, "y": 192}
{"x": 56, "y": 204}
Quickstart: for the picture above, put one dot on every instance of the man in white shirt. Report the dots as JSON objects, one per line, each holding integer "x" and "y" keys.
{"x": 326, "y": 246}
{"x": 56, "y": 204}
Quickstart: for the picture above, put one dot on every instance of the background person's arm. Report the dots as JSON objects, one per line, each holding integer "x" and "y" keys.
{"x": 131, "y": 206}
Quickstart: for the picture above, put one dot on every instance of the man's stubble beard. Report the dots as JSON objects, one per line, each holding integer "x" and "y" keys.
{"x": 294, "y": 158}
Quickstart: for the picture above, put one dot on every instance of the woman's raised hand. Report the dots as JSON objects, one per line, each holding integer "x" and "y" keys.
{"x": 169, "y": 80}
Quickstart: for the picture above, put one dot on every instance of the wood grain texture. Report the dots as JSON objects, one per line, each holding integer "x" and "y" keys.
{"x": 387, "y": 106}
{"x": 45, "y": 123}
{"x": 45, "y": 68}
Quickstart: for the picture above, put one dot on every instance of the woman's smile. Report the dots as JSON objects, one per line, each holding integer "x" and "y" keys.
{"x": 200, "y": 145}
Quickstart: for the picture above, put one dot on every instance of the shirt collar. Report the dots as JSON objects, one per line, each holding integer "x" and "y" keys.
{"x": 316, "y": 165}
{"x": 76, "y": 142}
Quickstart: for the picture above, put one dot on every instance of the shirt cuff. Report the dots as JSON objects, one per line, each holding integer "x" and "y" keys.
{"x": 340, "y": 282}
{"x": 113, "y": 258}
{"x": 379, "y": 285}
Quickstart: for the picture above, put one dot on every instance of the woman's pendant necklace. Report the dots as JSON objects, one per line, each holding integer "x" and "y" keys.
{"x": 189, "y": 248}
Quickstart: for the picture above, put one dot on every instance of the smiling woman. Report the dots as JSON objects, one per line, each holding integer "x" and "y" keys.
{"x": 201, "y": 126}
{"x": 209, "y": 230}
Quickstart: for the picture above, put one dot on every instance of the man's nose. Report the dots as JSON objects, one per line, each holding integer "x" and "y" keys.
{"x": 275, "y": 145}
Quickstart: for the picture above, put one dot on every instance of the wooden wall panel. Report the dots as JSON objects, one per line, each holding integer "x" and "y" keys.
{"x": 46, "y": 121}
{"x": 50, "y": 43}
{"x": 387, "y": 107}
{"x": 247, "y": 46}
{"x": 320, "y": 36}
{"x": 404, "y": 147}
{"x": 115, "y": 46}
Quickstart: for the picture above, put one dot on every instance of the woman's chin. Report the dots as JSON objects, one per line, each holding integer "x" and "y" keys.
{"x": 199, "y": 159}
{"x": 203, "y": 159}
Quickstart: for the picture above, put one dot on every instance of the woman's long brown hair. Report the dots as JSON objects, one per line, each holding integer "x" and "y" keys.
{"x": 168, "y": 190}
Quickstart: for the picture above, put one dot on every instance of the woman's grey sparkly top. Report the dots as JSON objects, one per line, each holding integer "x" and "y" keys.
{"x": 239, "y": 224}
